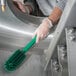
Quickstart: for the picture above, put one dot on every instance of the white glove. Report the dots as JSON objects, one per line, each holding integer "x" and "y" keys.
{"x": 43, "y": 30}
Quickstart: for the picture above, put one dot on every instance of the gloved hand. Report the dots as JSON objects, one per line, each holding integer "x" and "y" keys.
{"x": 43, "y": 30}
{"x": 21, "y": 6}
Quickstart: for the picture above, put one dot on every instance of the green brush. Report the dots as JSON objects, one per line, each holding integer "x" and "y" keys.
{"x": 18, "y": 57}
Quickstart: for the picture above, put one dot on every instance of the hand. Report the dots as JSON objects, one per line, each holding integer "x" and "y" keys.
{"x": 43, "y": 30}
{"x": 21, "y": 6}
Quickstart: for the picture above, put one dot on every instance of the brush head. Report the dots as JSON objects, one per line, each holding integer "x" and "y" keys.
{"x": 14, "y": 61}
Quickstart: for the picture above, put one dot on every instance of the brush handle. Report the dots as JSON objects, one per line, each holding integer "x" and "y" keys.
{"x": 29, "y": 45}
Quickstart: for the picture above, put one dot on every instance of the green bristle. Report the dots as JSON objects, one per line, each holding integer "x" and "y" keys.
{"x": 14, "y": 61}
{"x": 18, "y": 57}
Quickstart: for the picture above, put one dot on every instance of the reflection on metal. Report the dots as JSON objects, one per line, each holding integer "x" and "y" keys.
{"x": 3, "y": 5}
{"x": 22, "y": 16}
{"x": 16, "y": 28}
{"x": 71, "y": 49}
{"x": 59, "y": 31}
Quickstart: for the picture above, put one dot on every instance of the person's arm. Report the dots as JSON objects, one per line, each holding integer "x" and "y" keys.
{"x": 49, "y": 22}
{"x": 43, "y": 30}
{"x": 55, "y": 15}
{"x": 57, "y": 11}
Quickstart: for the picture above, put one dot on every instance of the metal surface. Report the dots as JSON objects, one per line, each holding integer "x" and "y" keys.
{"x": 62, "y": 58}
{"x": 55, "y": 68}
{"x": 71, "y": 42}
{"x": 71, "y": 49}
{"x": 16, "y": 28}
{"x": 31, "y": 67}
{"x": 59, "y": 30}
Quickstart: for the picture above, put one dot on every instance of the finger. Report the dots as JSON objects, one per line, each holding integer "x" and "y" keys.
{"x": 38, "y": 38}
{"x": 42, "y": 36}
{"x": 35, "y": 33}
{"x": 45, "y": 36}
{"x": 21, "y": 7}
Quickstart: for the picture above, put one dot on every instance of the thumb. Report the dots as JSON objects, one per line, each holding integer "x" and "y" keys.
{"x": 37, "y": 39}
{"x": 35, "y": 33}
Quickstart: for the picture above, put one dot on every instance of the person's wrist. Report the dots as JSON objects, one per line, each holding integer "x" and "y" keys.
{"x": 49, "y": 22}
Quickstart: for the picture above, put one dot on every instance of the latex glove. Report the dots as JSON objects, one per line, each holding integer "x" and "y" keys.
{"x": 43, "y": 30}
{"x": 21, "y": 6}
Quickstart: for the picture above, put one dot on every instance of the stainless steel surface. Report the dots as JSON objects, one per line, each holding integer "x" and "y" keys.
{"x": 71, "y": 41}
{"x": 62, "y": 58}
{"x": 16, "y": 28}
{"x": 71, "y": 49}
{"x": 31, "y": 67}
{"x": 55, "y": 68}
{"x": 59, "y": 30}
